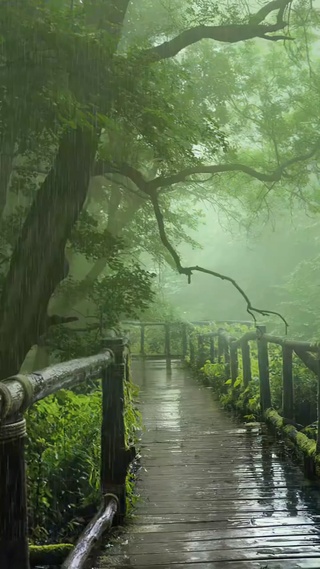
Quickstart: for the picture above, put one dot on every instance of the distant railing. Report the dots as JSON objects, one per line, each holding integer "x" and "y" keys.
{"x": 221, "y": 347}
{"x": 184, "y": 329}
{"x": 17, "y": 394}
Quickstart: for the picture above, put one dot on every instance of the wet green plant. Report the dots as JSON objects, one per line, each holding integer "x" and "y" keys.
{"x": 247, "y": 400}
{"x": 63, "y": 460}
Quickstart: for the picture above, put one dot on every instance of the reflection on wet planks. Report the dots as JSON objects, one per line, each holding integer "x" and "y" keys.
{"x": 214, "y": 495}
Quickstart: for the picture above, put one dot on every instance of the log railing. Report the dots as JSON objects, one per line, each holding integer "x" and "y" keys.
{"x": 168, "y": 328}
{"x": 17, "y": 394}
{"x": 184, "y": 329}
{"x": 221, "y": 347}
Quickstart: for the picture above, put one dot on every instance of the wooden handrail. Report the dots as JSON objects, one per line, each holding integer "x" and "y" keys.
{"x": 227, "y": 353}
{"x": 17, "y": 394}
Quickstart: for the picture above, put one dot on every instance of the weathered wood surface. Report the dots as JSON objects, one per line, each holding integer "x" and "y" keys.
{"x": 214, "y": 495}
{"x": 21, "y": 391}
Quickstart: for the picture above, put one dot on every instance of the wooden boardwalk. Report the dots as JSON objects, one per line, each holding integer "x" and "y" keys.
{"x": 214, "y": 495}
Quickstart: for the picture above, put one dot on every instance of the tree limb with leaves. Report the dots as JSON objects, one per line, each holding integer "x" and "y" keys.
{"x": 24, "y": 297}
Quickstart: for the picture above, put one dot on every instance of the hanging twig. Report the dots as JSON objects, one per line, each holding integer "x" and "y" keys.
{"x": 188, "y": 271}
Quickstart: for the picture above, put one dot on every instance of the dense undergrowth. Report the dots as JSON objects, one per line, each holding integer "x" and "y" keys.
{"x": 63, "y": 460}
{"x": 247, "y": 401}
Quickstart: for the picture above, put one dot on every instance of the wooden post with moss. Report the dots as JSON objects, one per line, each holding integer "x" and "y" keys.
{"x": 318, "y": 405}
{"x": 246, "y": 363}
{"x": 287, "y": 383}
{"x": 184, "y": 340}
{"x": 226, "y": 350}
{"x": 263, "y": 363}
{"x": 212, "y": 354}
{"x": 114, "y": 456}
{"x": 14, "y": 552}
{"x": 201, "y": 360}
{"x": 192, "y": 351}
{"x": 142, "y": 340}
{"x": 234, "y": 366}
{"x": 220, "y": 346}
{"x": 167, "y": 347}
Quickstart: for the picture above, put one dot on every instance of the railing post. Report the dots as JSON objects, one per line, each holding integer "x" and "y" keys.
{"x": 114, "y": 456}
{"x": 167, "y": 350}
{"x": 184, "y": 340}
{"x": 246, "y": 363}
{"x": 192, "y": 351}
{"x": 220, "y": 346}
{"x": 234, "y": 366}
{"x": 14, "y": 552}
{"x": 212, "y": 349}
{"x": 201, "y": 352}
{"x": 287, "y": 383}
{"x": 226, "y": 350}
{"x": 318, "y": 404}
{"x": 142, "y": 340}
{"x": 263, "y": 362}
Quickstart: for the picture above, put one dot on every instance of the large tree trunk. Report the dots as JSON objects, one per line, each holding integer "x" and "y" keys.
{"x": 37, "y": 264}
{"x": 6, "y": 160}
{"x": 117, "y": 221}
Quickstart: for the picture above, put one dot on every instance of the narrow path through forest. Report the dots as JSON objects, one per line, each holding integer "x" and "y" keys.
{"x": 214, "y": 494}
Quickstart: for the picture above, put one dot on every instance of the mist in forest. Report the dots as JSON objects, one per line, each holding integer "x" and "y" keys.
{"x": 261, "y": 261}
{"x": 159, "y": 161}
{"x": 134, "y": 148}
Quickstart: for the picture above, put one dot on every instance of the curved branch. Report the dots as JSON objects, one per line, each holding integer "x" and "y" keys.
{"x": 188, "y": 271}
{"x": 275, "y": 176}
{"x": 56, "y": 319}
{"x": 164, "y": 181}
{"x": 231, "y": 33}
{"x": 262, "y": 14}
{"x": 150, "y": 188}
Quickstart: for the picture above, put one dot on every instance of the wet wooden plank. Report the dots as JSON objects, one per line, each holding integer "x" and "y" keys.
{"x": 225, "y": 555}
{"x": 219, "y": 534}
{"x": 214, "y": 494}
{"x": 290, "y": 563}
{"x": 224, "y": 524}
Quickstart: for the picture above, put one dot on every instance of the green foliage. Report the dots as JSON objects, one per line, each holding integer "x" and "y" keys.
{"x": 63, "y": 459}
{"x": 299, "y": 297}
{"x": 216, "y": 375}
{"x": 247, "y": 401}
{"x": 61, "y": 70}
{"x": 125, "y": 292}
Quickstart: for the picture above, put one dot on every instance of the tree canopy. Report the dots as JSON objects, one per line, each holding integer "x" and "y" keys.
{"x": 118, "y": 120}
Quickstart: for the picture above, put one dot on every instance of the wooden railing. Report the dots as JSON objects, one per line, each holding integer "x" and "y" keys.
{"x": 17, "y": 394}
{"x": 184, "y": 329}
{"x": 221, "y": 347}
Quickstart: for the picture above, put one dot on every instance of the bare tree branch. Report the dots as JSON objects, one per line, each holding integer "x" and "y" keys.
{"x": 56, "y": 319}
{"x": 231, "y": 33}
{"x": 188, "y": 271}
{"x": 264, "y": 12}
{"x": 145, "y": 187}
{"x": 165, "y": 181}
{"x": 278, "y": 38}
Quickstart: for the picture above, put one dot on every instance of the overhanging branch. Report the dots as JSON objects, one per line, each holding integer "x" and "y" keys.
{"x": 275, "y": 176}
{"x": 264, "y": 12}
{"x": 231, "y": 33}
{"x": 56, "y": 319}
{"x": 188, "y": 271}
{"x": 162, "y": 182}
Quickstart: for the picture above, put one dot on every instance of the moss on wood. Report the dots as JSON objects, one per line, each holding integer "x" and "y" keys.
{"x": 306, "y": 446}
{"x": 49, "y": 554}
